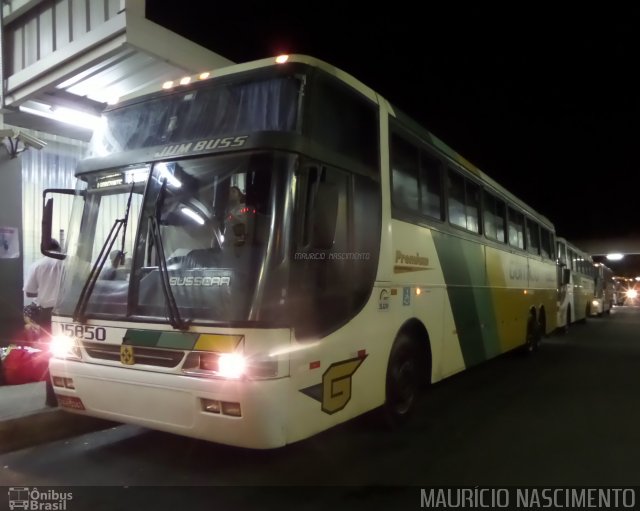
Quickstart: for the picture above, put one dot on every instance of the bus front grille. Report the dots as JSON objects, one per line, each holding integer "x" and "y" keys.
{"x": 158, "y": 357}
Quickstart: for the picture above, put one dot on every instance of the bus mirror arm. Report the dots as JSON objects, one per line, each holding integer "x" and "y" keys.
{"x": 566, "y": 276}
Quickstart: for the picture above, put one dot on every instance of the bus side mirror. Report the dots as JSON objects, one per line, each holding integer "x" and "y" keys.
{"x": 45, "y": 238}
{"x": 46, "y": 234}
{"x": 566, "y": 276}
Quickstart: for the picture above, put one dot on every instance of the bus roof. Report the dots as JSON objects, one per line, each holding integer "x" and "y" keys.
{"x": 365, "y": 90}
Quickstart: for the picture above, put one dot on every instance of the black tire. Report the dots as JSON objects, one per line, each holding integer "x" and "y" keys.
{"x": 403, "y": 381}
{"x": 543, "y": 324}
{"x": 533, "y": 334}
{"x": 563, "y": 330}
{"x": 587, "y": 311}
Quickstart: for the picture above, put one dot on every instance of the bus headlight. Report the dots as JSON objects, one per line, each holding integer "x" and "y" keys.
{"x": 231, "y": 365}
{"x": 224, "y": 365}
{"x": 632, "y": 293}
{"x": 63, "y": 346}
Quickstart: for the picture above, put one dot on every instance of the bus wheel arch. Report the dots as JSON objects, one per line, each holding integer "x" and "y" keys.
{"x": 408, "y": 369}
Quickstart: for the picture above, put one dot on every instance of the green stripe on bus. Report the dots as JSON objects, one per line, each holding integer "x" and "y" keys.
{"x": 177, "y": 340}
{"x": 470, "y": 297}
{"x": 142, "y": 337}
{"x": 154, "y": 338}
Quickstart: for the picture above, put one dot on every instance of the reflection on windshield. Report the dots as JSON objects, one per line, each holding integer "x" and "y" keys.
{"x": 112, "y": 198}
{"x": 214, "y": 221}
{"x": 210, "y": 217}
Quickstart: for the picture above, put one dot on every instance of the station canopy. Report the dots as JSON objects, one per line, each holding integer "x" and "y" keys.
{"x": 66, "y": 61}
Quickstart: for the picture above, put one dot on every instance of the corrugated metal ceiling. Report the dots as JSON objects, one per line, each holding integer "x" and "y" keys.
{"x": 122, "y": 55}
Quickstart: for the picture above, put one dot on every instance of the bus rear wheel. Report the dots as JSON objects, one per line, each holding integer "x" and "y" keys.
{"x": 534, "y": 333}
{"x": 563, "y": 330}
{"x": 403, "y": 381}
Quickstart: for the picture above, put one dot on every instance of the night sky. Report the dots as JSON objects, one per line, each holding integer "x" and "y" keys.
{"x": 546, "y": 102}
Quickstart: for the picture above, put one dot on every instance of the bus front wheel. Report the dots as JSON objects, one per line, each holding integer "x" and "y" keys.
{"x": 403, "y": 380}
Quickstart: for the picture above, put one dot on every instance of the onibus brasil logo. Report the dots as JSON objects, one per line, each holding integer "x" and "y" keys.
{"x": 37, "y": 500}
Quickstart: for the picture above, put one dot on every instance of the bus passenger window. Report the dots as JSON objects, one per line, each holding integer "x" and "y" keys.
{"x": 533, "y": 237}
{"x": 494, "y": 218}
{"x": 516, "y": 229}
{"x": 545, "y": 243}
{"x": 404, "y": 169}
{"x": 473, "y": 206}
{"x": 457, "y": 214}
{"x": 464, "y": 202}
{"x": 430, "y": 186}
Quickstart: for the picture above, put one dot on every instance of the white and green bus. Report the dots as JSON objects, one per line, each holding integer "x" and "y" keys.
{"x": 256, "y": 257}
{"x": 603, "y": 297}
{"x": 576, "y": 286}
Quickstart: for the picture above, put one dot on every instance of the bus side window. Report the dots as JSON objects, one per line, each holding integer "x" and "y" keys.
{"x": 431, "y": 186}
{"x": 404, "y": 174}
{"x": 457, "y": 212}
{"x": 494, "y": 218}
{"x": 320, "y": 209}
{"x": 516, "y": 229}
{"x": 533, "y": 237}
{"x": 324, "y": 216}
{"x": 545, "y": 243}
{"x": 322, "y": 276}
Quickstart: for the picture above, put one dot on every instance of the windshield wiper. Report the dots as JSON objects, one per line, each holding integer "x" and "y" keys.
{"x": 174, "y": 318}
{"x": 89, "y": 285}
{"x": 125, "y": 222}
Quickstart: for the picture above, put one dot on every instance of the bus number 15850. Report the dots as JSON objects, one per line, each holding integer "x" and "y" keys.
{"x": 86, "y": 332}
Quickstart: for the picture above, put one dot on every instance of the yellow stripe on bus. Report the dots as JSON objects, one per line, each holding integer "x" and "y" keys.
{"x": 218, "y": 342}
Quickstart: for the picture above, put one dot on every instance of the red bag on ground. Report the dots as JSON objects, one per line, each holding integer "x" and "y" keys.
{"x": 25, "y": 366}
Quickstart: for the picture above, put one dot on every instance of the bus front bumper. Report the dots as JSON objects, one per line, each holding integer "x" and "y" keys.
{"x": 242, "y": 413}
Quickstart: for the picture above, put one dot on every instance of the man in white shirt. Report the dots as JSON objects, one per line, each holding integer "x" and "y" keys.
{"x": 43, "y": 284}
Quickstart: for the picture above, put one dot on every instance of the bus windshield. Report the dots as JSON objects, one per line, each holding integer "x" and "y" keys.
{"x": 252, "y": 197}
{"x": 199, "y": 235}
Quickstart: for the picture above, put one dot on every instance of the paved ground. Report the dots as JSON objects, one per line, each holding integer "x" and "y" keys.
{"x": 25, "y": 421}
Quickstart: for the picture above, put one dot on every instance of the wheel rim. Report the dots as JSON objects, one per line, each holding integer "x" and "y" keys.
{"x": 404, "y": 387}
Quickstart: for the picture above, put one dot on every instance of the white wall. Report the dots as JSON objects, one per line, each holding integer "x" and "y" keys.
{"x": 51, "y": 167}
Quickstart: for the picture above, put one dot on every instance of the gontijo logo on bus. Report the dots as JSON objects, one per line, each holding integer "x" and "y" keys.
{"x": 202, "y": 145}
{"x": 334, "y": 392}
